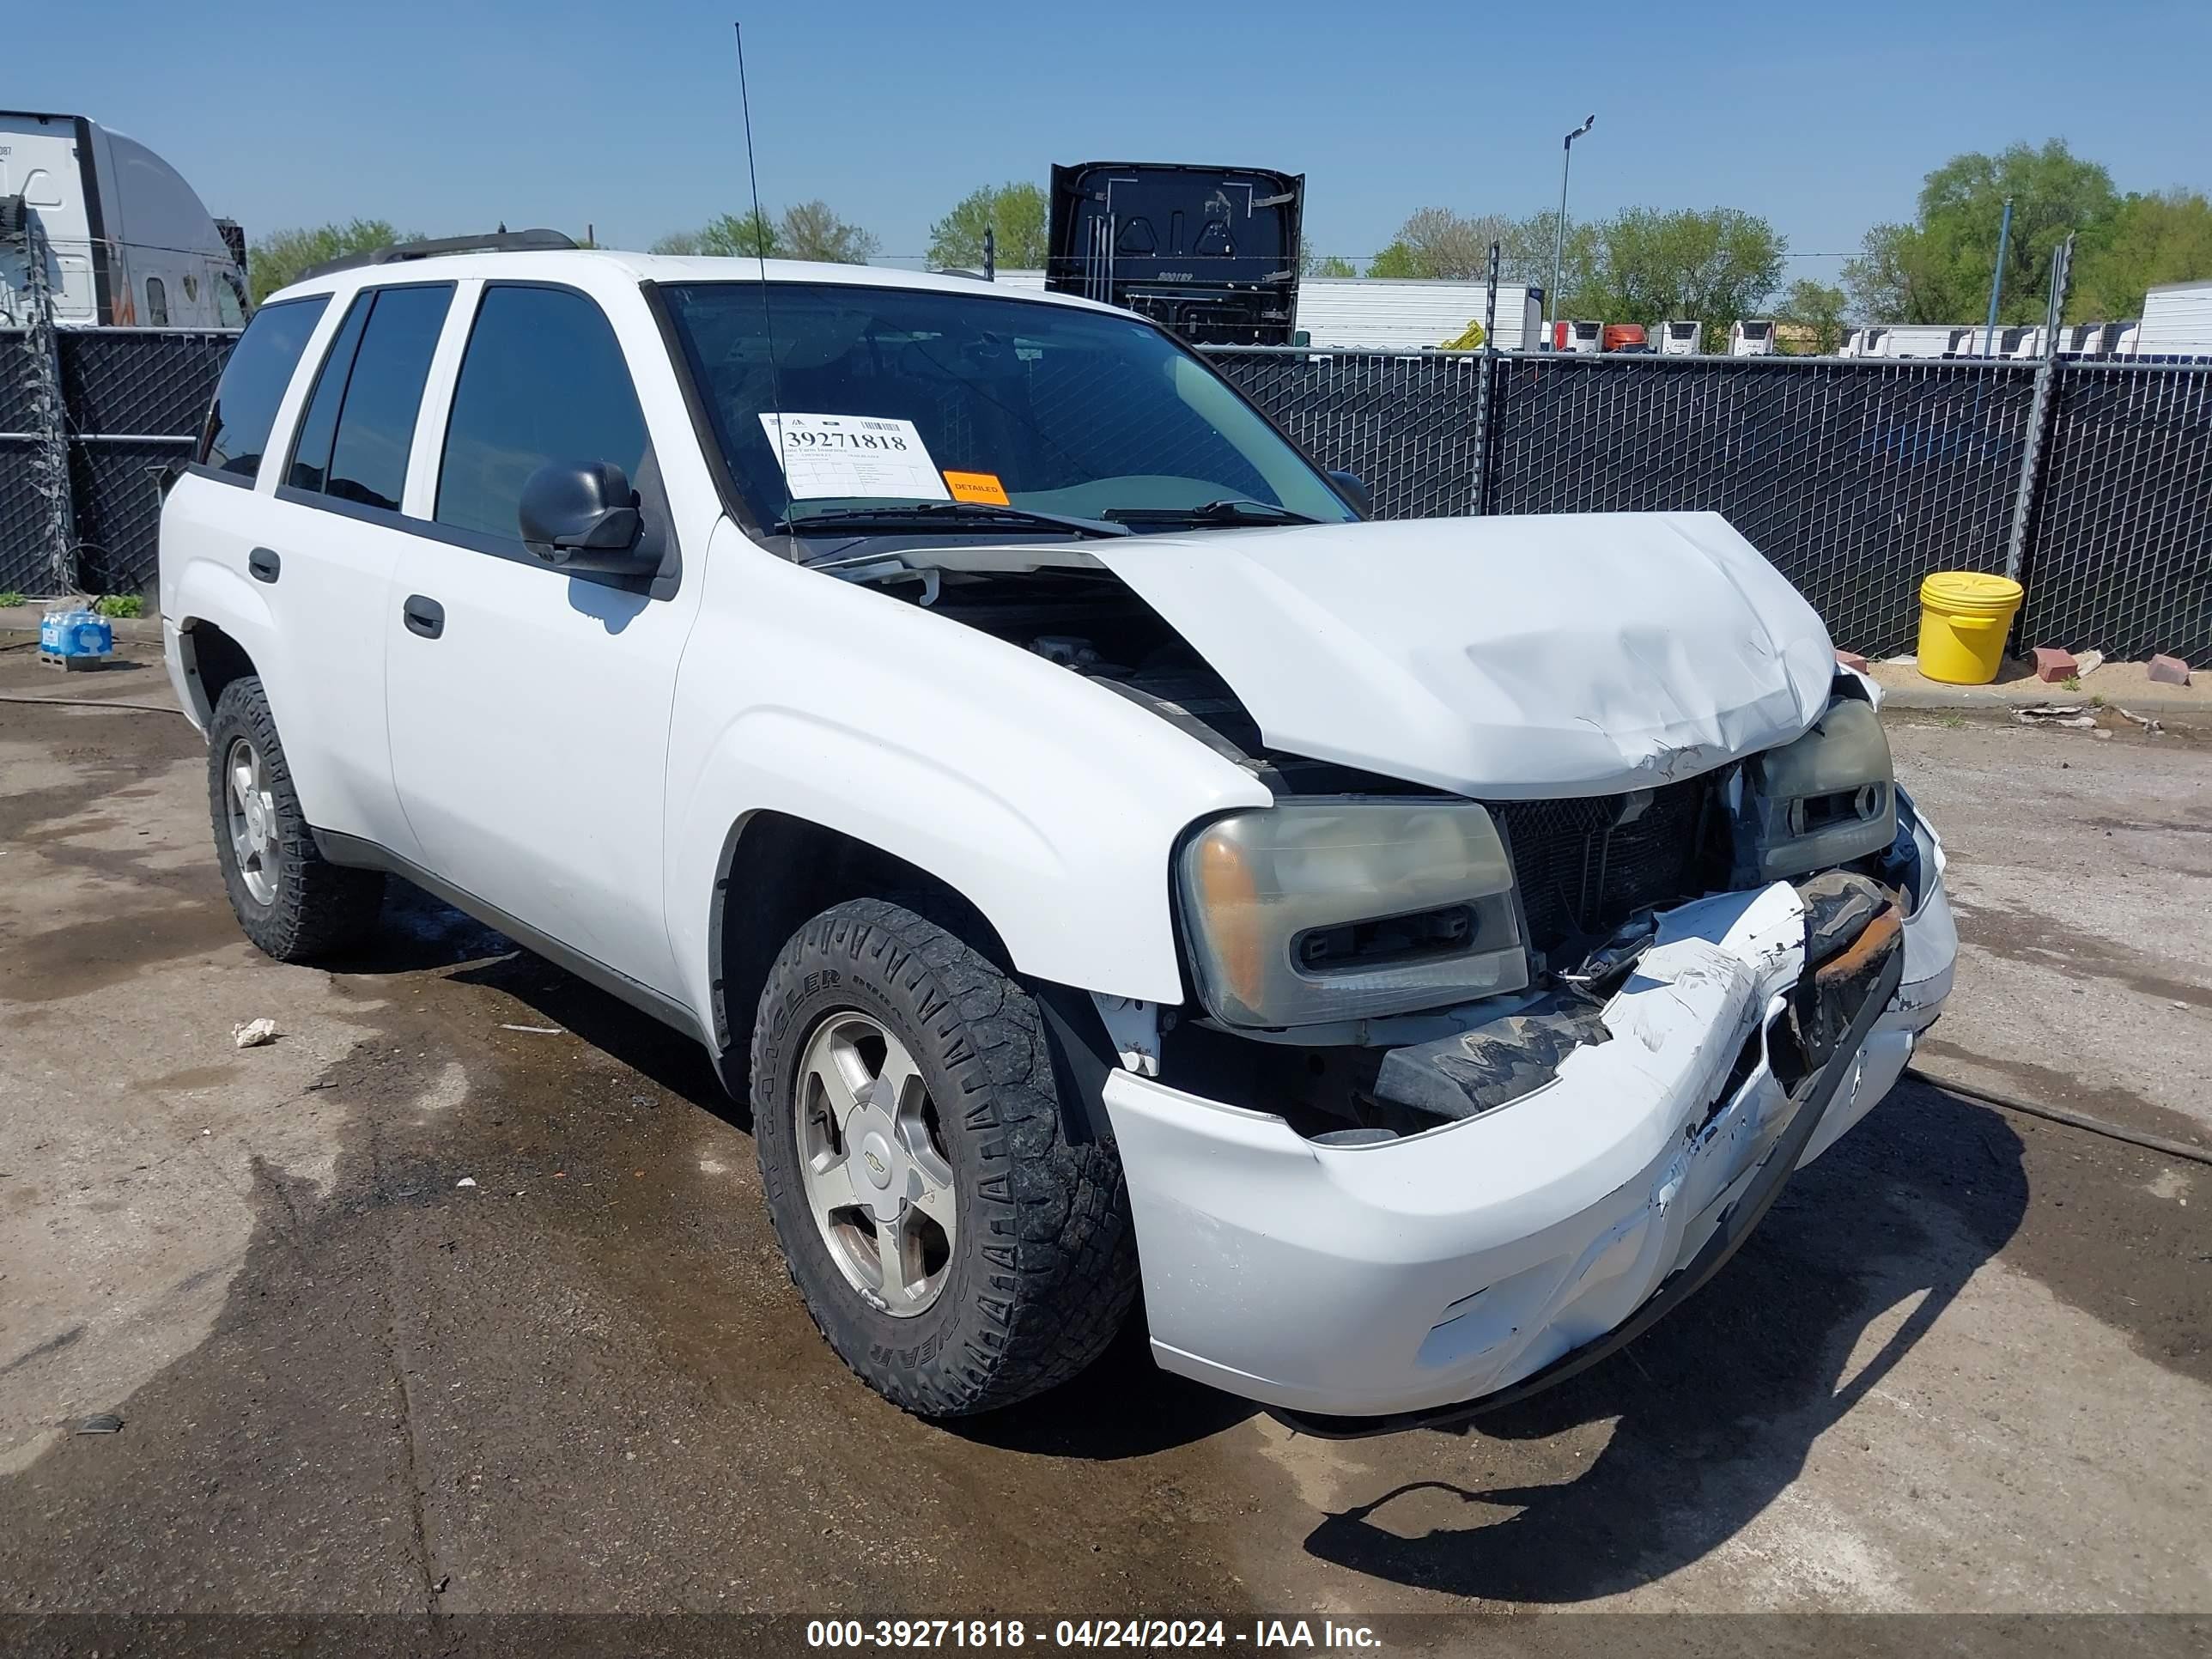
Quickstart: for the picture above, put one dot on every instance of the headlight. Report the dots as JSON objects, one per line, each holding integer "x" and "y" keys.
{"x": 1823, "y": 799}
{"x": 1340, "y": 909}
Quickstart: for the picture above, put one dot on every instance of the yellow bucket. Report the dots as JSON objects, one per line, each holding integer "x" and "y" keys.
{"x": 1964, "y": 618}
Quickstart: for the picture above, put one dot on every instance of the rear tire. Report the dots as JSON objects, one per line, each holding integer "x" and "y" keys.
{"x": 1011, "y": 1262}
{"x": 292, "y": 902}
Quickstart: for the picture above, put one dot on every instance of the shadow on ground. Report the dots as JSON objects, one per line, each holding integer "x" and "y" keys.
{"x": 1716, "y": 1407}
{"x": 1124, "y": 1406}
{"x": 594, "y": 1344}
{"x": 418, "y": 932}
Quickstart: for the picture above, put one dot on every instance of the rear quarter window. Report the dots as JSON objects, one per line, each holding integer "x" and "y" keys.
{"x": 253, "y": 381}
{"x": 354, "y": 439}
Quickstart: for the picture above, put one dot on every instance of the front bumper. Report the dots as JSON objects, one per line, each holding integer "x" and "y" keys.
{"x": 1446, "y": 1268}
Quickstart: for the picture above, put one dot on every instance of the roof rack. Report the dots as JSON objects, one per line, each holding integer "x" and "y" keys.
{"x": 502, "y": 241}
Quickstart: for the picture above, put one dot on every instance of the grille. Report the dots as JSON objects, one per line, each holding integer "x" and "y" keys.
{"x": 1582, "y": 871}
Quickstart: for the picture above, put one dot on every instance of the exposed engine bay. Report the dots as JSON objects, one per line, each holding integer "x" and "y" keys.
{"x": 1589, "y": 874}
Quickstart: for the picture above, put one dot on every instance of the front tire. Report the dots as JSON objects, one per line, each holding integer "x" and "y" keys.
{"x": 292, "y": 902}
{"x": 954, "y": 1242}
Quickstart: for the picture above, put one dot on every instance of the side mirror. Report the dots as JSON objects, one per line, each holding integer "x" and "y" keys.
{"x": 1353, "y": 489}
{"x": 582, "y": 515}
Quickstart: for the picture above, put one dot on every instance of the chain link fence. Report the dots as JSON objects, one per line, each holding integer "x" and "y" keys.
{"x": 129, "y": 401}
{"x": 2120, "y": 545}
{"x": 1856, "y": 478}
{"x": 1405, "y": 425}
{"x": 26, "y": 558}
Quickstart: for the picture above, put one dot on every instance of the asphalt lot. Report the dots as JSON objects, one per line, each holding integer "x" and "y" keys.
{"x": 1962, "y": 1367}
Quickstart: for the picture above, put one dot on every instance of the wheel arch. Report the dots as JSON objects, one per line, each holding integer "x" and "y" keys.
{"x": 212, "y": 658}
{"x": 795, "y": 868}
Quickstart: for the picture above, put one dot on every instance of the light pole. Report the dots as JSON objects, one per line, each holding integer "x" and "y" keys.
{"x": 1560, "y": 255}
{"x": 1996, "y": 279}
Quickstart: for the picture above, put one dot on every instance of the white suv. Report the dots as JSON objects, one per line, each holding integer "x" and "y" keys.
{"x": 1418, "y": 951}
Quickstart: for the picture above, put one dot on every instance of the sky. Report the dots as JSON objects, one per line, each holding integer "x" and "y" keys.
{"x": 452, "y": 116}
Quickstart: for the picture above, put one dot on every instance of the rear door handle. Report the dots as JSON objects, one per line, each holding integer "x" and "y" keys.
{"x": 263, "y": 564}
{"x": 423, "y": 616}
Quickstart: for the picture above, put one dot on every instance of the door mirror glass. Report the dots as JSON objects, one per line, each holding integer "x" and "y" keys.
{"x": 583, "y": 515}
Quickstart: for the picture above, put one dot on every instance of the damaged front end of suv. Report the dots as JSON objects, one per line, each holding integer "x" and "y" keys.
{"x": 1499, "y": 1036}
{"x": 1671, "y": 999}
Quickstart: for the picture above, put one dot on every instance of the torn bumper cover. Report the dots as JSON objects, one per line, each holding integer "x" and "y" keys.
{"x": 1375, "y": 1287}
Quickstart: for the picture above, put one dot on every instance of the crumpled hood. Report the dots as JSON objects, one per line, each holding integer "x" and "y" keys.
{"x": 1510, "y": 658}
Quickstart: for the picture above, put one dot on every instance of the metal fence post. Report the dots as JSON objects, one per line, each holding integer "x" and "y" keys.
{"x": 2038, "y": 417}
{"x": 50, "y": 417}
{"x": 1486, "y": 377}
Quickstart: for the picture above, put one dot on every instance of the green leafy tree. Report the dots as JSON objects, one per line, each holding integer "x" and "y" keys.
{"x": 1016, "y": 212}
{"x": 1395, "y": 259}
{"x": 1648, "y": 264}
{"x": 1529, "y": 247}
{"x": 2165, "y": 237}
{"x": 805, "y": 230}
{"x": 279, "y": 258}
{"x": 1817, "y": 308}
{"x": 1937, "y": 269}
{"x": 1325, "y": 264}
{"x": 750, "y": 235}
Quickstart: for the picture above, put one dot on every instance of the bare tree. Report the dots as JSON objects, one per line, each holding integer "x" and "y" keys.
{"x": 809, "y": 230}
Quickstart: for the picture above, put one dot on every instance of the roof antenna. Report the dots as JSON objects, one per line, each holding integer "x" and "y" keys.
{"x": 760, "y": 253}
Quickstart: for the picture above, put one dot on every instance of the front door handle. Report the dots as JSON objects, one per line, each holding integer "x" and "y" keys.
{"x": 423, "y": 616}
{"x": 263, "y": 564}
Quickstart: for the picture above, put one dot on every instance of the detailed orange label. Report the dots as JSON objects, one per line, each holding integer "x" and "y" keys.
{"x": 977, "y": 486}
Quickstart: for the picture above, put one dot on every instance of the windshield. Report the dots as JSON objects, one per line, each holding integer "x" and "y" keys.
{"x": 891, "y": 396}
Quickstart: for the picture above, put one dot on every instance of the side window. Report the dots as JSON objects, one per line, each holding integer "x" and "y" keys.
{"x": 360, "y": 421}
{"x": 253, "y": 383}
{"x": 157, "y": 303}
{"x": 318, "y": 426}
{"x": 543, "y": 380}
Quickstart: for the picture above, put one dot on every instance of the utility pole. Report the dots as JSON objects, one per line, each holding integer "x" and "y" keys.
{"x": 1997, "y": 280}
{"x": 1560, "y": 254}
{"x": 990, "y": 253}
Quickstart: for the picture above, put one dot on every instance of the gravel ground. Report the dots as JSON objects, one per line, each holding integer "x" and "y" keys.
{"x": 1962, "y": 1368}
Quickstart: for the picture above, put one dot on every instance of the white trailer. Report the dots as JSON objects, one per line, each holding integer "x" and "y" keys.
{"x": 2177, "y": 320}
{"x": 1752, "y": 338}
{"x": 1922, "y": 340}
{"x": 1390, "y": 313}
{"x": 1683, "y": 339}
{"x": 2092, "y": 339}
{"x": 1577, "y": 337}
{"x": 126, "y": 241}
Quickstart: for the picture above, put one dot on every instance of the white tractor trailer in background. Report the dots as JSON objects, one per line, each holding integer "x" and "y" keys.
{"x": 125, "y": 241}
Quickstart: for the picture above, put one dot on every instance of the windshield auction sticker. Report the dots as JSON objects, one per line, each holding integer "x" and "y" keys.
{"x": 863, "y": 455}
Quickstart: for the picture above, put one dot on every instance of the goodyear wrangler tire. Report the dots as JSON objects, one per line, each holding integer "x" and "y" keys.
{"x": 956, "y": 1245}
{"x": 293, "y": 902}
